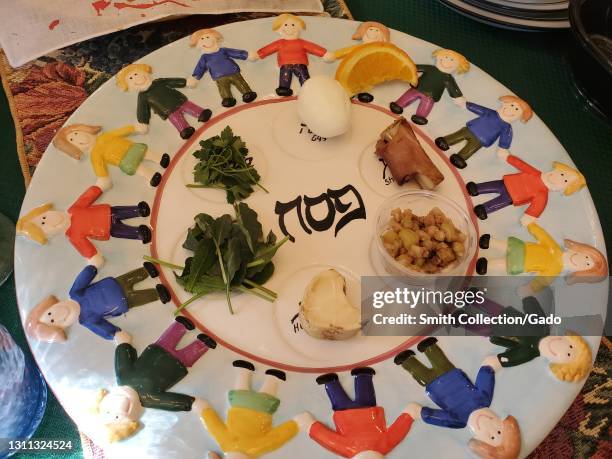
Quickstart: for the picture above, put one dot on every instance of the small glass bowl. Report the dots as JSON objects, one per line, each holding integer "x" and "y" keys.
{"x": 420, "y": 202}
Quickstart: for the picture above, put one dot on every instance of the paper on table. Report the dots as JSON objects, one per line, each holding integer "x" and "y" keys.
{"x": 32, "y": 28}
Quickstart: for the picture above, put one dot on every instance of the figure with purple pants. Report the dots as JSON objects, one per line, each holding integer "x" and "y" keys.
{"x": 365, "y": 396}
{"x": 433, "y": 81}
{"x": 160, "y": 96}
{"x": 489, "y": 127}
{"x": 144, "y": 381}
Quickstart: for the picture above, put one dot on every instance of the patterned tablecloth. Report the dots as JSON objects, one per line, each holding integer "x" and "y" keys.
{"x": 43, "y": 93}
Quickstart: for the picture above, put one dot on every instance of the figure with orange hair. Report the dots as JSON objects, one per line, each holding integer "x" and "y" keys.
{"x": 92, "y": 303}
{"x": 291, "y": 51}
{"x": 489, "y": 127}
{"x": 161, "y": 97}
{"x": 544, "y": 258}
{"x": 433, "y": 81}
{"x": 220, "y": 63}
{"x": 462, "y": 402}
{"x": 527, "y": 186}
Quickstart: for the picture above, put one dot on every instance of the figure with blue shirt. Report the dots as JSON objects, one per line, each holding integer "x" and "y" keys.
{"x": 489, "y": 127}
{"x": 93, "y": 303}
{"x": 462, "y": 402}
{"x": 220, "y": 63}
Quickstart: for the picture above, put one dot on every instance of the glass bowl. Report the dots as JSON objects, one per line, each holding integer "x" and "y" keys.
{"x": 421, "y": 202}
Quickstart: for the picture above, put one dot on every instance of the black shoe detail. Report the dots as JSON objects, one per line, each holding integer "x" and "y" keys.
{"x": 481, "y": 266}
{"x": 249, "y": 97}
{"x": 365, "y": 97}
{"x": 458, "y": 161}
{"x": 185, "y": 322}
{"x": 243, "y": 364}
{"x": 284, "y": 92}
{"x": 427, "y": 342}
{"x": 472, "y": 189}
{"x": 143, "y": 209}
{"x": 395, "y": 108}
{"x": 228, "y": 102}
{"x": 144, "y": 234}
{"x": 480, "y": 212}
{"x": 363, "y": 371}
{"x": 484, "y": 241}
{"x": 156, "y": 179}
{"x": 327, "y": 378}
{"x": 165, "y": 160}
{"x": 441, "y": 143}
{"x": 187, "y": 132}
{"x": 420, "y": 120}
{"x": 211, "y": 343}
{"x": 403, "y": 356}
{"x": 277, "y": 373}
{"x": 151, "y": 269}
{"x": 205, "y": 115}
{"x": 163, "y": 293}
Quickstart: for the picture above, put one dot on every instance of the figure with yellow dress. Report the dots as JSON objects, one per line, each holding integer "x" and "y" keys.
{"x": 248, "y": 431}
{"x": 544, "y": 258}
{"x": 110, "y": 148}
{"x": 372, "y": 62}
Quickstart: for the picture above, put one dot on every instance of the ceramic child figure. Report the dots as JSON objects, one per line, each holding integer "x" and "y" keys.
{"x": 361, "y": 428}
{"x": 461, "y": 402}
{"x": 248, "y": 432}
{"x": 92, "y": 303}
{"x": 110, "y": 148}
{"x": 144, "y": 381}
{"x": 220, "y": 63}
{"x": 292, "y": 52}
{"x": 544, "y": 258}
{"x": 85, "y": 220}
{"x": 491, "y": 126}
{"x": 160, "y": 96}
{"x": 433, "y": 81}
{"x": 367, "y": 32}
{"x": 527, "y": 186}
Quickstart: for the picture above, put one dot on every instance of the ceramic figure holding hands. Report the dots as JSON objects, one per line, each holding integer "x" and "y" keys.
{"x": 544, "y": 258}
{"x": 160, "y": 96}
{"x": 143, "y": 381}
{"x": 248, "y": 432}
{"x": 220, "y": 63}
{"x": 461, "y": 402}
{"x": 93, "y": 303}
{"x": 292, "y": 52}
{"x": 85, "y": 220}
{"x": 433, "y": 81}
{"x": 489, "y": 127}
{"x": 110, "y": 148}
{"x": 372, "y": 62}
{"x": 361, "y": 428}
{"x": 527, "y": 186}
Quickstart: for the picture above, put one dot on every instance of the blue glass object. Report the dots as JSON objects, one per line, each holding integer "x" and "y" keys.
{"x": 23, "y": 394}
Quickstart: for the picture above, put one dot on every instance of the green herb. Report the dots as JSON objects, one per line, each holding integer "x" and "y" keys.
{"x": 229, "y": 254}
{"x": 223, "y": 165}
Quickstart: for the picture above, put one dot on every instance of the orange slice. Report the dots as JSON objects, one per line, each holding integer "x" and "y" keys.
{"x": 373, "y": 63}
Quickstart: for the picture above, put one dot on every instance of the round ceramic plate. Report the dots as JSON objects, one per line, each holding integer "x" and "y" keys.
{"x": 293, "y": 163}
{"x": 504, "y": 21}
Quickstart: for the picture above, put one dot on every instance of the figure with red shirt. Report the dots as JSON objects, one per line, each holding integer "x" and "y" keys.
{"x": 292, "y": 52}
{"x": 361, "y": 428}
{"x": 86, "y": 220}
{"x": 527, "y": 186}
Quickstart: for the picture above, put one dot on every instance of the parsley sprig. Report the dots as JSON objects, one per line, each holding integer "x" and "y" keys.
{"x": 223, "y": 164}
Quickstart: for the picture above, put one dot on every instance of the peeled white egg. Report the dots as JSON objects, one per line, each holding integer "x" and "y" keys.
{"x": 324, "y": 106}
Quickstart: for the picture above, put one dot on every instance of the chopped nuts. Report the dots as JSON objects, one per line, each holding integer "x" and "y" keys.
{"x": 427, "y": 244}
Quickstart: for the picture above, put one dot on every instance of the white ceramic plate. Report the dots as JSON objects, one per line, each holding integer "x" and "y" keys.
{"x": 502, "y": 20}
{"x": 291, "y": 164}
